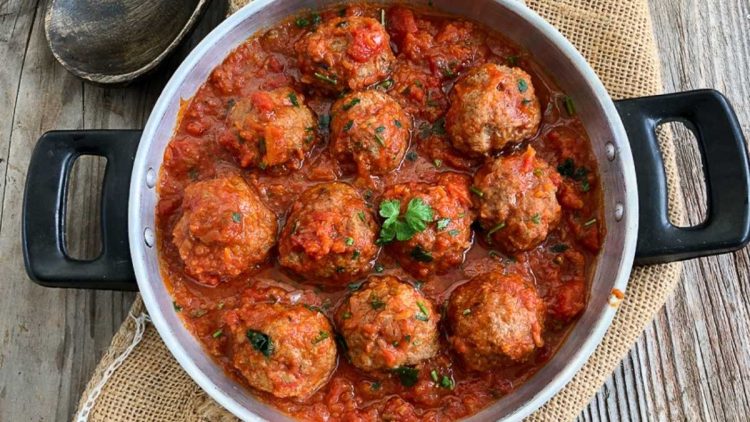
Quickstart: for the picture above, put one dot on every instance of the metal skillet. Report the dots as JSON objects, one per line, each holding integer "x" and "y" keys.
{"x": 624, "y": 143}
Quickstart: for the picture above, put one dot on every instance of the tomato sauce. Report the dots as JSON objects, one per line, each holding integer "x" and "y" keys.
{"x": 441, "y": 50}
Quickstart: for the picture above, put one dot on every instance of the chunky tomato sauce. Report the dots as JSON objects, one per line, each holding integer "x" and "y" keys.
{"x": 445, "y": 47}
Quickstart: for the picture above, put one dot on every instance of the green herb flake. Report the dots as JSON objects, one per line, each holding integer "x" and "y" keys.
{"x": 324, "y": 121}
{"x": 193, "y": 174}
{"x": 325, "y": 78}
{"x": 412, "y": 156}
{"x": 260, "y": 342}
{"x": 398, "y": 124}
{"x": 423, "y": 314}
{"x": 522, "y": 85}
{"x": 236, "y": 217}
{"x": 418, "y": 284}
{"x": 454, "y": 232}
{"x": 380, "y": 139}
{"x": 316, "y": 19}
{"x": 442, "y": 223}
{"x": 301, "y": 22}
{"x": 217, "y": 333}
{"x": 361, "y": 215}
{"x": 293, "y": 99}
{"x": 438, "y": 128}
{"x": 434, "y": 375}
{"x": 355, "y": 254}
{"x": 466, "y": 311}
{"x": 438, "y": 163}
{"x": 569, "y": 106}
{"x": 496, "y": 228}
{"x": 512, "y": 60}
{"x": 447, "y": 382}
{"x": 375, "y": 386}
{"x": 378, "y": 268}
{"x": 350, "y": 104}
{"x": 536, "y": 218}
{"x": 590, "y": 222}
{"x": 349, "y": 241}
{"x": 421, "y": 255}
{"x": 559, "y": 248}
{"x": 585, "y": 186}
{"x": 376, "y": 302}
{"x": 348, "y": 125}
{"x": 476, "y": 191}
{"x": 386, "y": 84}
{"x": 407, "y": 375}
{"x": 177, "y": 308}
{"x": 382, "y": 17}
{"x": 346, "y": 315}
{"x": 322, "y": 335}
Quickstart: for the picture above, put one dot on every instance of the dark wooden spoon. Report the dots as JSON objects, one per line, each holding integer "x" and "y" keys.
{"x": 115, "y": 41}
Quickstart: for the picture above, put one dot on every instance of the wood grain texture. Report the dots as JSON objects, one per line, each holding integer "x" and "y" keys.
{"x": 692, "y": 363}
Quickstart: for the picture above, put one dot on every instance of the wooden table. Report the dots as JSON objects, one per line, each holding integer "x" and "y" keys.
{"x": 692, "y": 362}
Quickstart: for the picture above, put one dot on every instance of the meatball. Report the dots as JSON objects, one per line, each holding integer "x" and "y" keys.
{"x": 225, "y": 229}
{"x": 447, "y": 234}
{"x": 372, "y": 129}
{"x": 345, "y": 53}
{"x": 387, "y": 324}
{"x": 270, "y": 128}
{"x": 286, "y": 350}
{"x": 329, "y": 234}
{"x": 492, "y": 106}
{"x": 515, "y": 197}
{"x": 495, "y": 319}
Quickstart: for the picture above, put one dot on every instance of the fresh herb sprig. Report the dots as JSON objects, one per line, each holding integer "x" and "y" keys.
{"x": 403, "y": 227}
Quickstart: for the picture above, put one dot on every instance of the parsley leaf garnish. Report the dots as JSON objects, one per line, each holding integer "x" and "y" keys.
{"x": 407, "y": 375}
{"x": 414, "y": 220}
{"x": 261, "y": 342}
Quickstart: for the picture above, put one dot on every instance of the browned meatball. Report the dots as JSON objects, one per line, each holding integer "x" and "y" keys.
{"x": 330, "y": 234}
{"x": 447, "y": 234}
{"x": 270, "y": 128}
{"x": 387, "y": 324}
{"x": 372, "y": 129}
{"x": 495, "y": 319}
{"x": 345, "y": 53}
{"x": 225, "y": 229}
{"x": 516, "y": 199}
{"x": 492, "y": 106}
{"x": 286, "y": 350}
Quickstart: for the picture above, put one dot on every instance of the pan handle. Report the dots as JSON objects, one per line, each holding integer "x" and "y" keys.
{"x": 43, "y": 219}
{"x": 710, "y": 117}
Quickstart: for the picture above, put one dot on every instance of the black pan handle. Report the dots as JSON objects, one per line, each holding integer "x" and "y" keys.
{"x": 710, "y": 117}
{"x": 43, "y": 220}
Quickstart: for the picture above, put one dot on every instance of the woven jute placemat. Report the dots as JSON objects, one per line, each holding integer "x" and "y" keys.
{"x": 138, "y": 380}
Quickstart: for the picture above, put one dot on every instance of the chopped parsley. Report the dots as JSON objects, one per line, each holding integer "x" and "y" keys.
{"x": 407, "y": 375}
{"x": 350, "y": 104}
{"x": 522, "y": 85}
{"x": 217, "y": 333}
{"x": 353, "y": 287}
{"x": 322, "y": 335}
{"x": 376, "y": 302}
{"x": 590, "y": 222}
{"x": 379, "y": 138}
{"x": 536, "y": 218}
{"x": 512, "y": 60}
{"x": 421, "y": 255}
{"x": 397, "y": 123}
{"x": 447, "y": 382}
{"x": 414, "y": 220}
{"x": 476, "y": 191}
{"x": 568, "y": 169}
{"x": 346, "y": 315}
{"x": 423, "y": 314}
{"x": 301, "y": 22}
{"x": 569, "y": 106}
{"x": 412, "y": 156}
{"x": 378, "y": 268}
{"x": 193, "y": 174}
{"x": 355, "y": 254}
{"x": 442, "y": 223}
{"x": 375, "y": 386}
{"x": 348, "y": 125}
{"x": 177, "y": 308}
{"x": 260, "y": 342}
{"x": 559, "y": 248}
{"x": 438, "y": 162}
{"x": 454, "y": 232}
{"x": 496, "y": 228}
{"x": 236, "y": 217}
{"x": 324, "y": 121}
{"x": 293, "y": 99}
{"x": 386, "y": 84}
{"x": 349, "y": 241}
{"x": 434, "y": 375}
{"x": 466, "y": 311}
{"x": 326, "y": 78}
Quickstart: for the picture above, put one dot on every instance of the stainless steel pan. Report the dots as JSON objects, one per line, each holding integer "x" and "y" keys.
{"x": 634, "y": 193}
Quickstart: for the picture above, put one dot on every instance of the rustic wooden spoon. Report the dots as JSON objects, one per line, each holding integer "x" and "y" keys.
{"x": 115, "y": 41}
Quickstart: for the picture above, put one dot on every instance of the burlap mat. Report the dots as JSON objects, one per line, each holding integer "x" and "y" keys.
{"x": 615, "y": 36}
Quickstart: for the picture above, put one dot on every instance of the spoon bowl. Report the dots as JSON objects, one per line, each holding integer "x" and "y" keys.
{"x": 115, "y": 41}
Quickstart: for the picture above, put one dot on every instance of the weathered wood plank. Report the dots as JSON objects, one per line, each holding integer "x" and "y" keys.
{"x": 693, "y": 363}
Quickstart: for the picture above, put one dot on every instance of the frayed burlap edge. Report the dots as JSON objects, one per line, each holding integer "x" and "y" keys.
{"x": 616, "y": 38}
